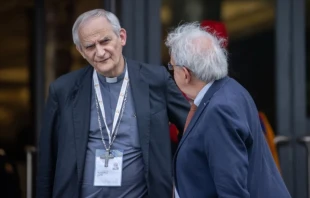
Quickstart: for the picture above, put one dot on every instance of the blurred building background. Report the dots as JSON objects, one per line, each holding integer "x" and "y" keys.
{"x": 269, "y": 54}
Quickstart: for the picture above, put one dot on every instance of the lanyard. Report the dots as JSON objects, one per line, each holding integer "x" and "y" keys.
{"x": 119, "y": 105}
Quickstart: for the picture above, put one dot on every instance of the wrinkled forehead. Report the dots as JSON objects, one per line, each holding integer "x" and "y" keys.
{"x": 95, "y": 25}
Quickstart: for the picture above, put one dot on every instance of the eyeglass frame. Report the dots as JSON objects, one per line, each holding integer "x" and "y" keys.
{"x": 170, "y": 66}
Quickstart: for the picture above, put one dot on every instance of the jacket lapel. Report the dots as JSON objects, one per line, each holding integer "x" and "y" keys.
{"x": 81, "y": 117}
{"x": 140, "y": 94}
{"x": 204, "y": 103}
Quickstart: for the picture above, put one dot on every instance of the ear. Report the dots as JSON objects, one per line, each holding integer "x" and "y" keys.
{"x": 123, "y": 36}
{"x": 78, "y": 48}
{"x": 187, "y": 75}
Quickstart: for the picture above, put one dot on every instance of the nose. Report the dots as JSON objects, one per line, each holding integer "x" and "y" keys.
{"x": 100, "y": 51}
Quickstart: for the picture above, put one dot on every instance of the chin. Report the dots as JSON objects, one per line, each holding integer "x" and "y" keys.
{"x": 103, "y": 68}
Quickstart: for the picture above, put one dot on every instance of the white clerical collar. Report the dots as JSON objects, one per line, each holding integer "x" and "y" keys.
{"x": 116, "y": 79}
{"x": 111, "y": 80}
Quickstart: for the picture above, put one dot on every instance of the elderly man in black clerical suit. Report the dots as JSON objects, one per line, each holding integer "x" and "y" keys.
{"x": 113, "y": 113}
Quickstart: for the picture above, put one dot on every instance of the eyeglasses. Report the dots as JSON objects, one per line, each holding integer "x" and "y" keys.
{"x": 170, "y": 66}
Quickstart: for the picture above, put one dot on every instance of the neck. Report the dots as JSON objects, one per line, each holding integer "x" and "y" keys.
{"x": 195, "y": 89}
{"x": 118, "y": 70}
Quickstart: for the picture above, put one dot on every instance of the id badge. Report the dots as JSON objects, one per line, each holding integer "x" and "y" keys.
{"x": 108, "y": 168}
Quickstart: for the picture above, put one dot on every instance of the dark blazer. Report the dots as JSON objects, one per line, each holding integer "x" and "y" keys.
{"x": 223, "y": 152}
{"x": 64, "y": 134}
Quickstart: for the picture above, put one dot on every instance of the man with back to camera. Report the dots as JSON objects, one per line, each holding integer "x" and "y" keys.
{"x": 105, "y": 131}
{"x": 223, "y": 152}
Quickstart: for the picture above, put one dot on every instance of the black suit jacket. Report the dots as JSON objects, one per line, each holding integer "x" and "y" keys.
{"x": 64, "y": 135}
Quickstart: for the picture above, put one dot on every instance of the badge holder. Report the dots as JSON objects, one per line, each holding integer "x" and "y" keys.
{"x": 108, "y": 168}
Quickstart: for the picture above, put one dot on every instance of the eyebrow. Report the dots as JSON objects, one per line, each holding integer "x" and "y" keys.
{"x": 100, "y": 40}
{"x": 89, "y": 45}
{"x": 104, "y": 38}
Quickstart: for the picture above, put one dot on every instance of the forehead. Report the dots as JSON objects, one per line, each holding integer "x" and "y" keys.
{"x": 98, "y": 26}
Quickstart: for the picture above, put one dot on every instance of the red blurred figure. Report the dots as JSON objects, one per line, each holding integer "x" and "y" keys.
{"x": 218, "y": 28}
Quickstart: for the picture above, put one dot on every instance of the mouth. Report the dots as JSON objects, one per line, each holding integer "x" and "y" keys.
{"x": 102, "y": 61}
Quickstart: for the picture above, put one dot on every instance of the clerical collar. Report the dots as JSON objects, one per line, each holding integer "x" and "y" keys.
{"x": 116, "y": 79}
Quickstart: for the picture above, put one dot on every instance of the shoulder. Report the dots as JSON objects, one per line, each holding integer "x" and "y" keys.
{"x": 230, "y": 94}
{"x": 233, "y": 102}
{"x": 67, "y": 82}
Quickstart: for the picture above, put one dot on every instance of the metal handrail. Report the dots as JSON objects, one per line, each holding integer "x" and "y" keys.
{"x": 306, "y": 141}
{"x": 30, "y": 150}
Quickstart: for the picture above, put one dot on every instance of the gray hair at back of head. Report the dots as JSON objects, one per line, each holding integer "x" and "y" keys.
{"x": 198, "y": 50}
{"x": 92, "y": 14}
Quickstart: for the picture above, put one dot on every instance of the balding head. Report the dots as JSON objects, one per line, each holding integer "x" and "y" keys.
{"x": 198, "y": 50}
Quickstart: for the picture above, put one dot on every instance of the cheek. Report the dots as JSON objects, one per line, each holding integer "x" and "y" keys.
{"x": 177, "y": 78}
{"x": 117, "y": 47}
{"x": 112, "y": 50}
{"x": 89, "y": 55}
{"x": 118, "y": 50}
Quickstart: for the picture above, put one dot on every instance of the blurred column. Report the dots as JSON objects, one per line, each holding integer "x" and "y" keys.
{"x": 141, "y": 19}
{"x": 59, "y": 40}
{"x": 39, "y": 63}
{"x": 290, "y": 86}
{"x": 37, "y": 84}
{"x": 109, "y": 5}
{"x": 299, "y": 114}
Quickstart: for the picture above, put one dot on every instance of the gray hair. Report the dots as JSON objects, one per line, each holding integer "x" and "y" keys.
{"x": 198, "y": 50}
{"x": 92, "y": 14}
